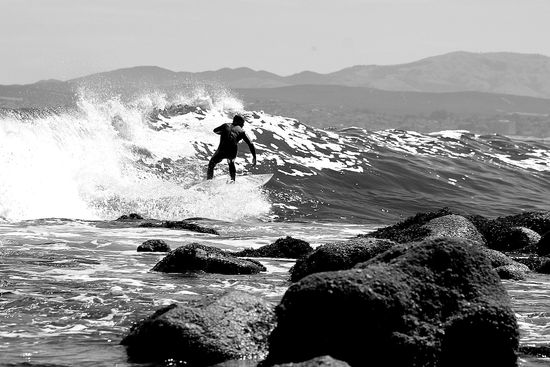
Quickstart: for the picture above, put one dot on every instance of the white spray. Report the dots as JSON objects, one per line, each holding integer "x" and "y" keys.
{"x": 102, "y": 160}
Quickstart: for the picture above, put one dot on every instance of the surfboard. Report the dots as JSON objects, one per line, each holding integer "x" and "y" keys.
{"x": 246, "y": 180}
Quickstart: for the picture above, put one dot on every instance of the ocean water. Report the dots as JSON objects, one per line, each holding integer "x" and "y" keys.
{"x": 71, "y": 281}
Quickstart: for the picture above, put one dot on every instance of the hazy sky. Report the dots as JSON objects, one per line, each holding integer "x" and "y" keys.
{"x": 62, "y": 39}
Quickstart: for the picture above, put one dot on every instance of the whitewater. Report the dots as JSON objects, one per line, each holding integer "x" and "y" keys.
{"x": 71, "y": 281}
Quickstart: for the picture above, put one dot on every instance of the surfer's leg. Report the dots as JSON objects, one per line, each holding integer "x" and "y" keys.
{"x": 213, "y": 161}
{"x": 232, "y": 170}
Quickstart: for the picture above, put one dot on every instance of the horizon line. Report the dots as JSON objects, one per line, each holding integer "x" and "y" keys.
{"x": 278, "y": 75}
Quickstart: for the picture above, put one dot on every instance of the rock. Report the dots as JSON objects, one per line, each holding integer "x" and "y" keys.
{"x": 544, "y": 267}
{"x": 539, "y": 351}
{"x": 497, "y": 258}
{"x": 183, "y": 224}
{"x": 433, "y": 303}
{"x": 500, "y": 233}
{"x": 524, "y": 239}
{"x": 513, "y": 272}
{"x": 153, "y": 246}
{"x": 533, "y": 262}
{"x": 196, "y": 257}
{"x": 443, "y": 223}
{"x": 324, "y": 361}
{"x": 455, "y": 226}
{"x": 537, "y": 221}
{"x": 238, "y": 363}
{"x": 506, "y": 267}
{"x": 411, "y": 229}
{"x": 289, "y": 248}
{"x": 543, "y": 246}
{"x": 234, "y": 326}
{"x": 129, "y": 217}
{"x": 339, "y": 256}
{"x": 480, "y": 336}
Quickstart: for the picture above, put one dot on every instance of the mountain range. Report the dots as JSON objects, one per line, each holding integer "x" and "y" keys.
{"x": 502, "y": 72}
{"x": 457, "y": 83}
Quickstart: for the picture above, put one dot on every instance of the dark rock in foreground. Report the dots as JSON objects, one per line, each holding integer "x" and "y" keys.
{"x": 339, "y": 256}
{"x": 182, "y": 224}
{"x": 153, "y": 246}
{"x": 129, "y": 217}
{"x": 289, "y": 248}
{"x": 235, "y": 326}
{"x": 434, "y": 303}
{"x": 196, "y": 257}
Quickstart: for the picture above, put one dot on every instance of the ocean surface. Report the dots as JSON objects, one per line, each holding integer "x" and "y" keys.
{"x": 71, "y": 281}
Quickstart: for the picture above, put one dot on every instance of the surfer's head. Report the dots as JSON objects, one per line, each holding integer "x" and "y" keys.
{"x": 238, "y": 120}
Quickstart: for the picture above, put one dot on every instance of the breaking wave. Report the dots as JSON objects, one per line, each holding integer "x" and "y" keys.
{"x": 112, "y": 156}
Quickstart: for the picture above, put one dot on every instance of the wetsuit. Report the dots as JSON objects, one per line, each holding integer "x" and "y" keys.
{"x": 230, "y": 136}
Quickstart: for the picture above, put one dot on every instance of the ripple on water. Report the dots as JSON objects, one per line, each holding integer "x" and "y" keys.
{"x": 531, "y": 303}
{"x": 69, "y": 301}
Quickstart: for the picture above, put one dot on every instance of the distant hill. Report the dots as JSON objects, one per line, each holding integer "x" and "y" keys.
{"x": 501, "y": 72}
{"x": 45, "y": 93}
{"x": 458, "y": 82}
{"x": 506, "y": 73}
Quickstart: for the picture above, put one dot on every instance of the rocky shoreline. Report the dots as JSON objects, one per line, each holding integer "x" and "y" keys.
{"x": 426, "y": 291}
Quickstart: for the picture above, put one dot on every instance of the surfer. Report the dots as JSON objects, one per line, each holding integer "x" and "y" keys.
{"x": 230, "y": 136}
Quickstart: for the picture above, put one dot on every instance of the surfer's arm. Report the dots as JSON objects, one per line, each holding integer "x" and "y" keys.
{"x": 219, "y": 129}
{"x": 251, "y": 147}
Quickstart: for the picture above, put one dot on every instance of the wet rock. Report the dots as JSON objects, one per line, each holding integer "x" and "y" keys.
{"x": 433, "y": 303}
{"x": 182, "y": 224}
{"x": 480, "y": 336}
{"x": 289, "y": 248}
{"x": 501, "y": 234}
{"x": 495, "y": 232}
{"x": 238, "y": 363}
{"x": 153, "y": 246}
{"x": 531, "y": 261}
{"x": 455, "y": 226}
{"x": 543, "y": 246}
{"x": 339, "y": 256}
{"x": 197, "y": 257}
{"x": 524, "y": 239}
{"x": 411, "y": 229}
{"x": 443, "y": 223}
{"x": 538, "y": 221}
{"x": 324, "y": 361}
{"x": 512, "y": 271}
{"x": 544, "y": 266}
{"x": 498, "y": 258}
{"x": 539, "y": 351}
{"x": 505, "y": 266}
{"x": 129, "y": 217}
{"x": 234, "y": 326}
